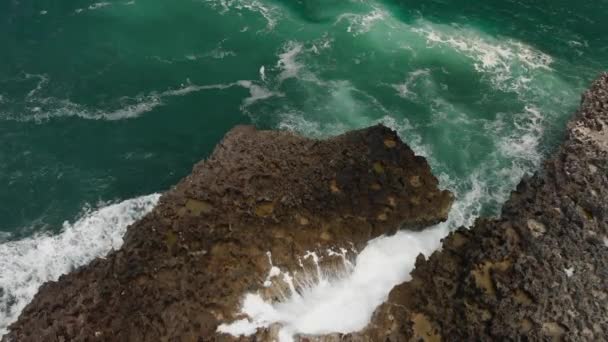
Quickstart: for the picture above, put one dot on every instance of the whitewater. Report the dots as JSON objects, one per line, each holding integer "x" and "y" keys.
{"x": 26, "y": 264}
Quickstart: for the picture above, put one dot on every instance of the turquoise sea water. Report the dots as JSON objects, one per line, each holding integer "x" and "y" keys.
{"x": 104, "y": 102}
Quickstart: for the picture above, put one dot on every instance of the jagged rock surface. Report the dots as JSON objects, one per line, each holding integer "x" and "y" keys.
{"x": 539, "y": 272}
{"x": 185, "y": 266}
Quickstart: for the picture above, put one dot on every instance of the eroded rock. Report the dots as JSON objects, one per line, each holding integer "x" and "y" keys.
{"x": 262, "y": 199}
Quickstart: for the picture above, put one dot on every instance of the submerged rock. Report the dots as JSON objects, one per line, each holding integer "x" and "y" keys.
{"x": 539, "y": 272}
{"x": 263, "y": 198}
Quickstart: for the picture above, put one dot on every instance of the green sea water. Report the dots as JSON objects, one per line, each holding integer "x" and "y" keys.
{"x": 103, "y": 102}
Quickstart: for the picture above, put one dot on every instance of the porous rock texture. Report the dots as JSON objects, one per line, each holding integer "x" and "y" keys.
{"x": 538, "y": 273}
{"x": 261, "y": 197}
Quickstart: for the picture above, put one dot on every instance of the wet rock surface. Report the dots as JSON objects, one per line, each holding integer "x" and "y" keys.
{"x": 539, "y": 272}
{"x": 261, "y": 197}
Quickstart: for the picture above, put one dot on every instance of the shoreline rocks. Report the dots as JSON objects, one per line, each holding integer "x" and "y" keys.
{"x": 184, "y": 268}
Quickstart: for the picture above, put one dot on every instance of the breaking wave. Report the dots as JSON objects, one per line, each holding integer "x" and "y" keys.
{"x": 26, "y": 264}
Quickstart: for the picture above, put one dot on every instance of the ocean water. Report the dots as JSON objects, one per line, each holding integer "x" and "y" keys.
{"x": 105, "y": 104}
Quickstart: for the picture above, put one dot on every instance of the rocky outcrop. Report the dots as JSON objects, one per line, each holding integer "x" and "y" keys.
{"x": 539, "y": 272}
{"x": 185, "y": 266}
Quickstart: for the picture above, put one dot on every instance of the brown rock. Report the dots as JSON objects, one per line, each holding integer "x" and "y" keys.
{"x": 184, "y": 268}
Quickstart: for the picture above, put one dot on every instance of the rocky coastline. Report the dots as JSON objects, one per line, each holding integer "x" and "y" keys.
{"x": 262, "y": 199}
{"x": 538, "y": 272}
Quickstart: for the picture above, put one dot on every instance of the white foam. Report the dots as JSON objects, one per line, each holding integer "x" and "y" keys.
{"x": 405, "y": 90}
{"x": 43, "y": 80}
{"x": 288, "y": 61}
{"x": 274, "y": 271}
{"x": 321, "y": 44}
{"x": 244, "y": 327}
{"x": 26, "y": 264}
{"x": 263, "y": 73}
{"x": 270, "y": 13}
{"x": 256, "y": 93}
{"x": 362, "y": 23}
{"x": 43, "y": 109}
{"x": 188, "y": 88}
{"x": 523, "y": 143}
{"x": 145, "y": 105}
{"x": 99, "y": 5}
{"x": 219, "y": 52}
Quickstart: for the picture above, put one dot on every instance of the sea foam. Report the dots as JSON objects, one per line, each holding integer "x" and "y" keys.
{"x": 509, "y": 64}
{"x": 38, "y": 108}
{"x": 361, "y": 23}
{"x": 26, "y": 264}
{"x": 288, "y": 62}
{"x": 269, "y": 12}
